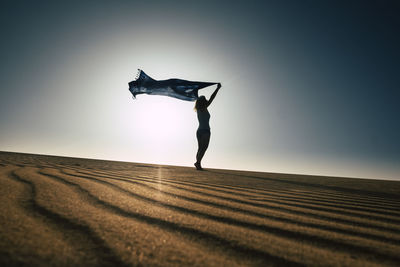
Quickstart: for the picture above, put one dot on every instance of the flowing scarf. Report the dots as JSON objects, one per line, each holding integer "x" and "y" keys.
{"x": 181, "y": 89}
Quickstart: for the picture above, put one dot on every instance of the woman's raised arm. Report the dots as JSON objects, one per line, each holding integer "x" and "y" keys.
{"x": 214, "y": 94}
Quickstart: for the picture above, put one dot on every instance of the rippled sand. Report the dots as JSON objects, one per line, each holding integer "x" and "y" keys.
{"x": 58, "y": 211}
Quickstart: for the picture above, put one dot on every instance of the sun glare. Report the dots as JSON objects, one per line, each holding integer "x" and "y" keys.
{"x": 163, "y": 125}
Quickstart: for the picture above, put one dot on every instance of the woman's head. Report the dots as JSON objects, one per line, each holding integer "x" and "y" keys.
{"x": 201, "y": 103}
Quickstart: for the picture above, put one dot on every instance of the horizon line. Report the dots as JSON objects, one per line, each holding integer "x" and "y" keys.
{"x": 185, "y": 166}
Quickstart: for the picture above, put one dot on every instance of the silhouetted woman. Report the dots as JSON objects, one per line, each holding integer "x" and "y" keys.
{"x": 203, "y": 132}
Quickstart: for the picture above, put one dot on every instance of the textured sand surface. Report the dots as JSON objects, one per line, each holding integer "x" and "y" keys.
{"x": 58, "y": 211}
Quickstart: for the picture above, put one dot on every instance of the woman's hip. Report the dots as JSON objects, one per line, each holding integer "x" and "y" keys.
{"x": 202, "y": 132}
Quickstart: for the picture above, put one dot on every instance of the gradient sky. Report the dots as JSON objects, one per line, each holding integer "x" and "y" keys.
{"x": 308, "y": 86}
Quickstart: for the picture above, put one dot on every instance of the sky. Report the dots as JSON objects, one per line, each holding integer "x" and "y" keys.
{"x": 309, "y": 87}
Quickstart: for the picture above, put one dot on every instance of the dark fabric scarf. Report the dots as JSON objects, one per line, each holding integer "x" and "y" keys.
{"x": 181, "y": 89}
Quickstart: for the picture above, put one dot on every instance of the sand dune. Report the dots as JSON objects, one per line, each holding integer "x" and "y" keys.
{"x": 58, "y": 211}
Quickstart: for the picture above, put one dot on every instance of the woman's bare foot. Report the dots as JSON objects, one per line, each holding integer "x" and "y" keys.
{"x": 198, "y": 166}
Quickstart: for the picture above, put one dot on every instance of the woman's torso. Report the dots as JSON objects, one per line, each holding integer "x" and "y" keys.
{"x": 204, "y": 118}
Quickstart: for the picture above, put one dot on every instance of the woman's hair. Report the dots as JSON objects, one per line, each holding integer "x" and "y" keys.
{"x": 201, "y": 103}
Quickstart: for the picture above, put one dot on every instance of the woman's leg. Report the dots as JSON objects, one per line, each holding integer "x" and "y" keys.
{"x": 203, "y": 141}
